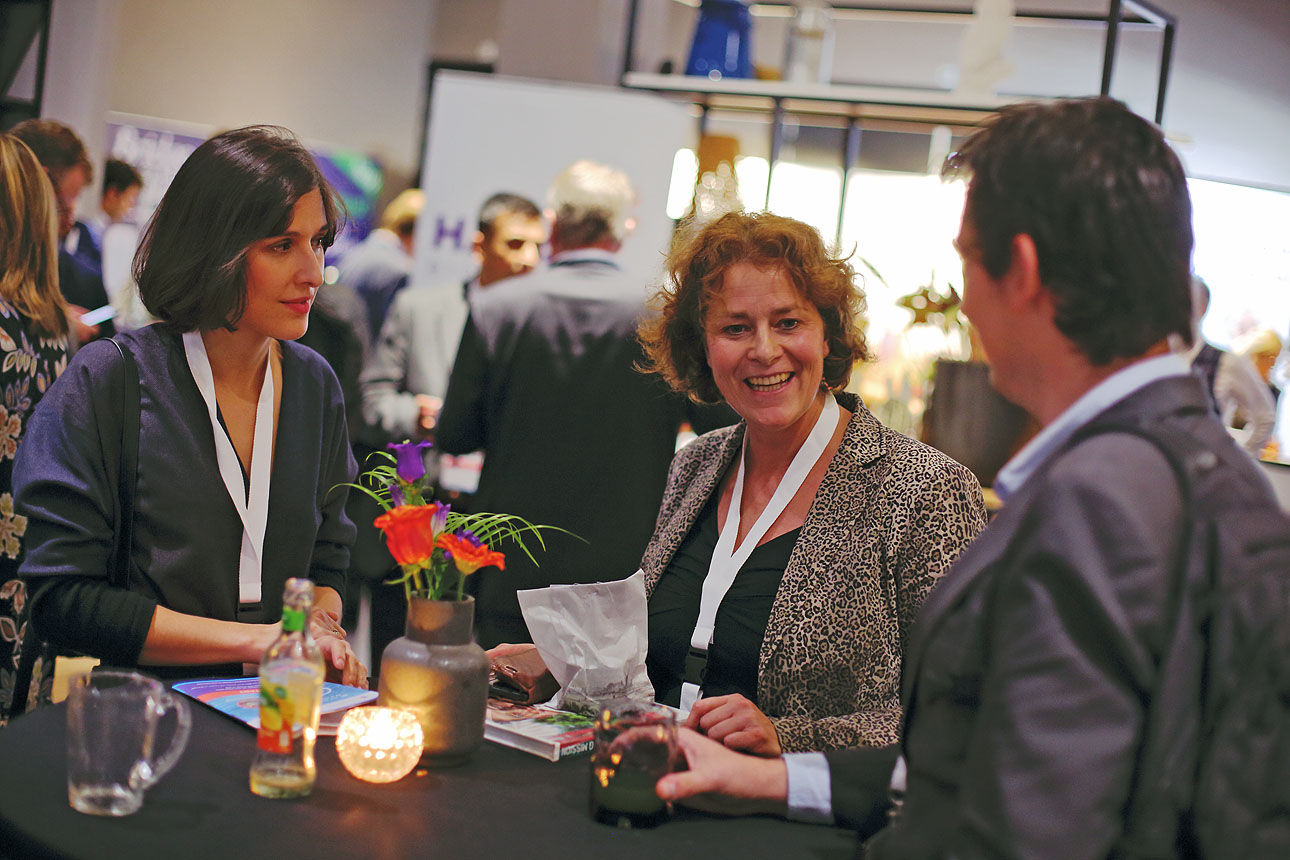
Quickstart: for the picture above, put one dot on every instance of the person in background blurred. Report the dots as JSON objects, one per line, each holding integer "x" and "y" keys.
{"x": 33, "y": 352}
{"x": 115, "y": 234}
{"x": 406, "y": 378}
{"x": 1233, "y": 384}
{"x": 379, "y": 266}
{"x": 121, "y": 187}
{"x": 242, "y": 448}
{"x": 544, "y": 383}
{"x": 63, "y": 156}
{"x": 1263, "y": 348}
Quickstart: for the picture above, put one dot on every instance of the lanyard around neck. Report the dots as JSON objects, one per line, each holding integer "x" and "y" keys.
{"x": 726, "y": 558}
{"x": 252, "y": 507}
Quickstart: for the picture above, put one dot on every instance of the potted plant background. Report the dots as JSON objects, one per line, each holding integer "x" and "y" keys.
{"x": 965, "y": 417}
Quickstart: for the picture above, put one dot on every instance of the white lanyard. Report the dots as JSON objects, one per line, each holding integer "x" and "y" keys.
{"x": 726, "y": 559}
{"x": 252, "y": 507}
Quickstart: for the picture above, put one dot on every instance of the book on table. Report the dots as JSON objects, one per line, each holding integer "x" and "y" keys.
{"x": 547, "y": 732}
{"x": 239, "y": 698}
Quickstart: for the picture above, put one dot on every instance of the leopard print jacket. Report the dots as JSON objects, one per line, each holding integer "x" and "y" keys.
{"x": 890, "y": 516}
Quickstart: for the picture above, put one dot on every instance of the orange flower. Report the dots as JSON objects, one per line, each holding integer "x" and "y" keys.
{"x": 409, "y": 532}
{"x": 468, "y": 554}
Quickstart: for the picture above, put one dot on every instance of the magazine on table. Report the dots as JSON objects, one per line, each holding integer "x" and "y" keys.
{"x": 543, "y": 731}
{"x": 239, "y": 698}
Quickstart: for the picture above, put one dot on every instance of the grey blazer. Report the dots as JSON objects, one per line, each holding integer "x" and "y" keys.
{"x": 1031, "y": 665}
{"x": 890, "y": 516}
{"x": 413, "y": 355}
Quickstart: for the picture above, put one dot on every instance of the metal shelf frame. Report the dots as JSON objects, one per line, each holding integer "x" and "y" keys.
{"x": 856, "y": 103}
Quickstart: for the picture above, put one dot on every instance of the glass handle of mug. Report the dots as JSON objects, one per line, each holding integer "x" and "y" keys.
{"x": 158, "y": 768}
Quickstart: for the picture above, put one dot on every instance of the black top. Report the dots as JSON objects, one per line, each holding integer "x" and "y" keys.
{"x": 741, "y": 619}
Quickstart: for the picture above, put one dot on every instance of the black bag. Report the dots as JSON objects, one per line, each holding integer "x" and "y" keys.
{"x": 119, "y": 570}
{"x": 1213, "y": 771}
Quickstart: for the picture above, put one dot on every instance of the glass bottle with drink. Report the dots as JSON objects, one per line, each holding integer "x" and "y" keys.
{"x": 291, "y": 679}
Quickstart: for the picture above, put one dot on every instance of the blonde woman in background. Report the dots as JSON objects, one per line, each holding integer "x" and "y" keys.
{"x": 1263, "y": 349}
{"x": 33, "y": 351}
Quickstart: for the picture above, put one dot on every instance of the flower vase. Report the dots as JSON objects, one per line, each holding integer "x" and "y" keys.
{"x": 437, "y": 671}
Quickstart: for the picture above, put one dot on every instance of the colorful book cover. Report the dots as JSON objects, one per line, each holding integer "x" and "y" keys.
{"x": 239, "y": 698}
{"x": 537, "y": 729}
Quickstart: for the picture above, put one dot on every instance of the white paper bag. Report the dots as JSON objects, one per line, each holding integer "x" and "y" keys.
{"x": 593, "y": 638}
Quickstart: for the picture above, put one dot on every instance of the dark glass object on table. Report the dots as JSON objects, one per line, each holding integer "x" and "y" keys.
{"x": 635, "y": 745}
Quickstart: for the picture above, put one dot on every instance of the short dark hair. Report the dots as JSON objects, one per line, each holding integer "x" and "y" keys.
{"x": 119, "y": 175}
{"x": 1105, "y": 200}
{"x": 235, "y": 189}
{"x": 674, "y": 342}
{"x": 56, "y": 146}
{"x": 505, "y": 203}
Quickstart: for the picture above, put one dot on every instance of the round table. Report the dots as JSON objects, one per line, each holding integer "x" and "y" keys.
{"x": 503, "y": 803}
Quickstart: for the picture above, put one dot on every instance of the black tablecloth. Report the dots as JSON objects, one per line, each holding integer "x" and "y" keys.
{"x": 502, "y": 804}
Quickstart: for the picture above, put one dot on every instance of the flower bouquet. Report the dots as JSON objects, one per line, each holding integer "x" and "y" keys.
{"x": 436, "y": 669}
{"x": 436, "y": 547}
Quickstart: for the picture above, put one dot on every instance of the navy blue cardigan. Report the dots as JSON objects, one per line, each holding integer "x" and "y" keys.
{"x": 187, "y": 534}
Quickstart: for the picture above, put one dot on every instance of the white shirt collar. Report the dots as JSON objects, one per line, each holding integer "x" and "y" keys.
{"x": 1096, "y": 400}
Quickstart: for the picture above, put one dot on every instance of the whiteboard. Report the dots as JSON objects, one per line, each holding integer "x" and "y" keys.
{"x": 489, "y": 134}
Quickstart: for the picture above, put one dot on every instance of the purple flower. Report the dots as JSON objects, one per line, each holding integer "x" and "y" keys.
{"x": 396, "y": 494}
{"x": 440, "y": 520}
{"x": 410, "y": 464}
{"x": 469, "y": 537}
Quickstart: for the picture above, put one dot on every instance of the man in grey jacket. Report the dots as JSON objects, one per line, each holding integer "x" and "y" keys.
{"x": 406, "y": 378}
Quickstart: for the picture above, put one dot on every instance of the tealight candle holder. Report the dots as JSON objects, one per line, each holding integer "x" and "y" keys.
{"x": 379, "y": 744}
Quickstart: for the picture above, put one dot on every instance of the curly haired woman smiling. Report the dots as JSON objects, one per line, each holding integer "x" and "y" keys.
{"x": 792, "y": 550}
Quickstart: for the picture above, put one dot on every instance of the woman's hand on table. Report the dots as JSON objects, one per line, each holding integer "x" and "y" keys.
{"x": 723, "y": 781}
{"x": 506, "y": 649}
{"x": 735, "y": 722}
{"x": 342, "y": 665}
{"x": 323, "y": 622}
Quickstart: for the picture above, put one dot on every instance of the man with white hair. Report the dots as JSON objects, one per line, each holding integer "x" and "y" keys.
{"x": 545, "y": 384}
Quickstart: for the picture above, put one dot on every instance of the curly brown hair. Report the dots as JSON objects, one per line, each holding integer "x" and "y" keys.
{"x": 674, "y": 341}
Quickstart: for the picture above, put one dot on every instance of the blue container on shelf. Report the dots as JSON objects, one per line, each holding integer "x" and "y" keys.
{"x": 722, "y": 40}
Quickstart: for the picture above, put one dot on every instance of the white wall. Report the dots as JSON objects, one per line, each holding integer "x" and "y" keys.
{"x": 82, "y": 39}
{"x": 334, "y": 71}
{"x": 572, "y": 40}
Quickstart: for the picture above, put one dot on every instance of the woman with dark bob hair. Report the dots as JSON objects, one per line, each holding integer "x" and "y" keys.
{"x": 241, "y": 435}
{"x": 792, "y": 550}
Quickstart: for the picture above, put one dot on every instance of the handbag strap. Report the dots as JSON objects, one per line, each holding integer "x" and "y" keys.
{"x": 1152, "y": 813}
{"x": 119, "y": 569}
{"x": 119, "y": 573}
